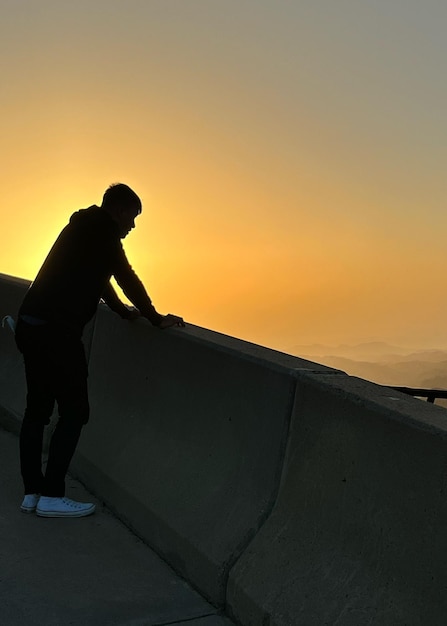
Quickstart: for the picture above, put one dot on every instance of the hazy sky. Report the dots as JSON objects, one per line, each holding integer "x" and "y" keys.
{"x": 290, "y": 156}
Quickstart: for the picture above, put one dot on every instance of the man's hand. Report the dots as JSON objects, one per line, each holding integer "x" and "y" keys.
{"x": 171, "y": 320}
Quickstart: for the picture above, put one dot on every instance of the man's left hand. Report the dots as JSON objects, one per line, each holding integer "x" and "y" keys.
{"x": 171, "y": 320}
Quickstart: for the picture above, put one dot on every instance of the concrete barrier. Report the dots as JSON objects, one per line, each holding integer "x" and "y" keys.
{"x": 186, "y": 439}
{"x": 292, "y": 492}
{"x": 358, "y": 532}
{"x": 12, "y": 372}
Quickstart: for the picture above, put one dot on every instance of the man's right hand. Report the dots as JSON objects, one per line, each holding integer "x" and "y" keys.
{"x": 171, "y": 320}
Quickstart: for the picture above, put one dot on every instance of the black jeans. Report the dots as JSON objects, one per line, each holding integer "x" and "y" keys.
{"x": 56, "y": 371}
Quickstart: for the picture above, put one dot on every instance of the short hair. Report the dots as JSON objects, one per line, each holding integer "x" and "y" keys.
{"x": 120, "y": 195}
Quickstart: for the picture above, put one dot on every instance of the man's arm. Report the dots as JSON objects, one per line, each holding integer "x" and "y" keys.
{"x": 134, "y": 289}
{"x": 112, "y": 300}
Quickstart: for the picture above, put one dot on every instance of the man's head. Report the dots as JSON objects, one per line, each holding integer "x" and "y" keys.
{"x": 123, "y": 205}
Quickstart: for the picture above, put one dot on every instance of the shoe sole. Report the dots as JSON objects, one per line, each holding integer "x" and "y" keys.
{"x": 27, "y": 510}
{"x": 66, "y": 514}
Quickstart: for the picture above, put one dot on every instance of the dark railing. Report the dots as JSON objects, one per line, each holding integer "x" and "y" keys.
{"x": 430, "y": 394}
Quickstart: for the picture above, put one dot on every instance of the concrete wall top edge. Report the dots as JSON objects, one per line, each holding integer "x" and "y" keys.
{"x": 14, "y": 279}
{"x": 398, "y": 406}
{"x": 267, "y": 357}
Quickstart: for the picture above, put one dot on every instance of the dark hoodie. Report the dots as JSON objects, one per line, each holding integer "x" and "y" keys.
{"x": 76, "y": 273}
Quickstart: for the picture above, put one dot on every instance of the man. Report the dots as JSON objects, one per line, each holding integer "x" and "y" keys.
{"x": 63, "y": 298}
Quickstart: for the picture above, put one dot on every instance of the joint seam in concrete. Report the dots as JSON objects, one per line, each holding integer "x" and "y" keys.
{"x": 278, "y": 481}
{"x": 330, "y": 372}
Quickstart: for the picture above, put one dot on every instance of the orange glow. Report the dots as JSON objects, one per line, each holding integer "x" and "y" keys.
{"x": 292, "y": 182}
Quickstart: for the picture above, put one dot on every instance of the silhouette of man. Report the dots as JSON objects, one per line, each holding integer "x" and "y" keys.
{"x": 62, "y": 299}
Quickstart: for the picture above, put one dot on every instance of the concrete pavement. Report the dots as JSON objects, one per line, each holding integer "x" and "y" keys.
{"x": 82, "y": 572}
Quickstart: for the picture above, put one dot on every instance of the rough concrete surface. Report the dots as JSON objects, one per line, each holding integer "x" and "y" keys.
{"x": 358, "y": 533}
{"x": 83, "y": 572}
{"x": 203, "y": 430}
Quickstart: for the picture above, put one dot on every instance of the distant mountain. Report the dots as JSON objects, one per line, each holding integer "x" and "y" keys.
{"x": 428, "y": 356}
{"x": 384, "y": 364}
{"x": 364, "y": 351}
{"x": 407, "y": 373}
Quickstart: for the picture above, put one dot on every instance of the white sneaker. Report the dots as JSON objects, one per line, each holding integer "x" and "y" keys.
{"x": 63, "y": 507}
{"x": 30, "y": 502}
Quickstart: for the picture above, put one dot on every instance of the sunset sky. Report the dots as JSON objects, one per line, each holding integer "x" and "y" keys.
{"x": 290, "y": 156}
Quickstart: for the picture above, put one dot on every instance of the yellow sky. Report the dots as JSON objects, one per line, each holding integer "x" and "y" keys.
{"x": 290, "y": 156}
